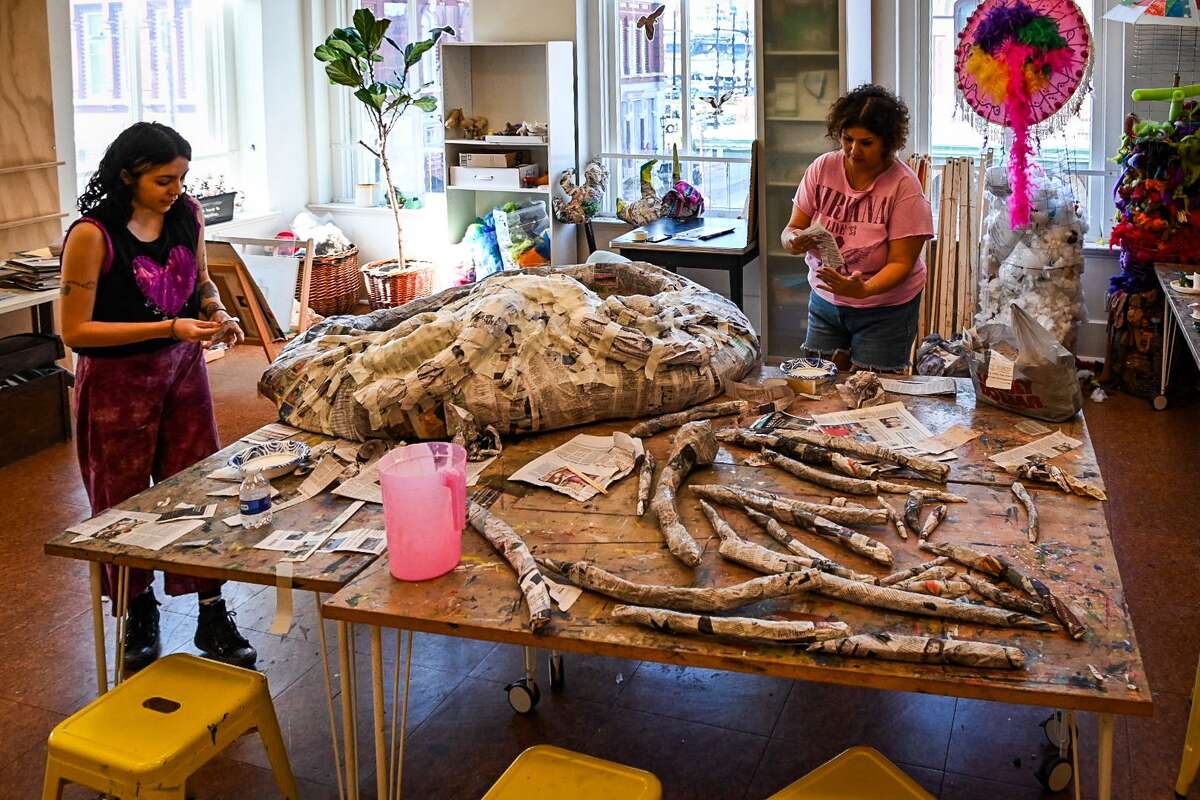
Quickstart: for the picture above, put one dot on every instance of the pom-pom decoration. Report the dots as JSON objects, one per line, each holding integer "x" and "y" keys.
{"x": 1020, "y": 64}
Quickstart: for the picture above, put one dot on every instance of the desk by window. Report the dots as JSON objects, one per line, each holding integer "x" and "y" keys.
{"x": 729, "y": 252}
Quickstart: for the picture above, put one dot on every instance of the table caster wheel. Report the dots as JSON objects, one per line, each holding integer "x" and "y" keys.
{"x": 523, "y": 695}
{"x": 557, "y": 677}
{"x": 1057, "y": 732}
{"x": 1056, "y": 774}
{"x": 1160, "y": 402}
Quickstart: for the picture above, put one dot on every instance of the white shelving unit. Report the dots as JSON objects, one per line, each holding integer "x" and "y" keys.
{"x": 512, "y": 82}
{"x": 818, "y": 49}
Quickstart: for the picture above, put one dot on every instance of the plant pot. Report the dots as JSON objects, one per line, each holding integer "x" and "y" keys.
{"x": 389, "y": 286}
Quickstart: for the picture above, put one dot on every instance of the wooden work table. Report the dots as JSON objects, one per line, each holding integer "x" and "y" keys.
{"x": 1074, "y": 557}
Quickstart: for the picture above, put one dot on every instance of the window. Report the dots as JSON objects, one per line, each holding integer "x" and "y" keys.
{"x": 1079, "y": 150}
{"x": 691, "y": 86}
{"x": 152, "y": 60}
{"x": 415, "y": 147}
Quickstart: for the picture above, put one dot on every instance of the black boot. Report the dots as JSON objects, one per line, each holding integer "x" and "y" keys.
{"x": 141, "y": 631}
{"x": 218, "y": 638}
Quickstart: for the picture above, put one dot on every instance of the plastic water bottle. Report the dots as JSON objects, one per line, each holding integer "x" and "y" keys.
{"x": 254, "y": 500}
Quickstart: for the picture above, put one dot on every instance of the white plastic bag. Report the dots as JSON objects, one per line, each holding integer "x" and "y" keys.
{"x": 1023, "y": 368}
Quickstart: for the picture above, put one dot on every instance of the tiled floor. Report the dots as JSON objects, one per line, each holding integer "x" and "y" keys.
{"x": 705, "y": 733}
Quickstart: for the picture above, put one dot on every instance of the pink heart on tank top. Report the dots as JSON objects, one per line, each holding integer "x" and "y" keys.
{"x": 168, "y": 286}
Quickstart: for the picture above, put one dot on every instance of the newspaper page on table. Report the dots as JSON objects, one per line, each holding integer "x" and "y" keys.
{"x": 891, "y": 425}
{"x": 583, "y": 467}
{"x": 1047, "y": 447}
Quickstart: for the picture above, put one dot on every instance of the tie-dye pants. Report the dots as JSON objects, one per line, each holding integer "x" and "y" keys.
{"x": 141, "y": 418}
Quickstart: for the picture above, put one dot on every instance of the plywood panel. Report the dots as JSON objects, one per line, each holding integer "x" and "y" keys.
{"x": 25, "y": 237}
{"x": 27, "y": 135}
{"x": 28, "y": 193}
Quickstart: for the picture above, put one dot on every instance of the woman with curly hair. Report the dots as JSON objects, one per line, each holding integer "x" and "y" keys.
{"x": 865, "y": 313}
{"x": 137, "y": 307}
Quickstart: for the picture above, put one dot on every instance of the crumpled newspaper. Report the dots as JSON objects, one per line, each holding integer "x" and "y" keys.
{"x": 862, "y": 390}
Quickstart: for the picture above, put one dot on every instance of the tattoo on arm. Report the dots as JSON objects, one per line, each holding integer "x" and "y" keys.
{"x": 87, "y": 286}
{"x": 210, "y": 298}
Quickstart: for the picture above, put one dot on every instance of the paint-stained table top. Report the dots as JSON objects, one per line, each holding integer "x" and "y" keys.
{"x": 1074, "y": 556}
{"x": 233, "y": 555}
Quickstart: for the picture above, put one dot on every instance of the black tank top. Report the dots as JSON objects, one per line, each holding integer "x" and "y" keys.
{"x": 146, "y": 281}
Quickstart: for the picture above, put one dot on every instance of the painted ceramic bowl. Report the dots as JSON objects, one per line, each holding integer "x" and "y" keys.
{"x": 274, "y": 459}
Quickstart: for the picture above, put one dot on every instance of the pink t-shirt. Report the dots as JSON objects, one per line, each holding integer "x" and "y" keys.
{"x": 893, "y": 207}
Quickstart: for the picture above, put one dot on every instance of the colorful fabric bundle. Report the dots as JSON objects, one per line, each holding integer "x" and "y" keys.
{"x": 1022, "y": 63}
{"x": 1157, "y": 197}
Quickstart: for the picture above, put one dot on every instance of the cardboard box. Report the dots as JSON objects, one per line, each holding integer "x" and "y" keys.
{"x": 498, "y": 159}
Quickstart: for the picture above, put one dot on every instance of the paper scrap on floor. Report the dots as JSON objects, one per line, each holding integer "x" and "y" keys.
{"x": 371, "y": 541}
{"x": 89, "y": 528}
{"x": 581, "y": 465}
{"x": 891, "y": 425}
{"x": 157, "y": 535}
{"x": 274, "y": 432}
{"x": 932, "y": 386}
{"x": 1050, "y": 446}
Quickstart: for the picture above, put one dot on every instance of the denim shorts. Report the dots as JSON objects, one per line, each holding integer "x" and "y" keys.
{"x": 878, "y": 338}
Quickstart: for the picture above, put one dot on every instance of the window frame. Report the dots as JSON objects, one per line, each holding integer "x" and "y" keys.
{"x": 348, "y": 159}
{"x": 914, "y": 35}
{"x": 218, "y": 90}
{"x": 614, "y": 67}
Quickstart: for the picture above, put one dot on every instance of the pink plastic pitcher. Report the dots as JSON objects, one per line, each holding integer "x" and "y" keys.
{"x": 424, "y": 508}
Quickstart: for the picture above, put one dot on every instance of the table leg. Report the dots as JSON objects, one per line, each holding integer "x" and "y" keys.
{"x": 98, "y": 627}
{"x": 380, "y": 723}
{"x": 1107, "y": 725}
{"x": 1168, "y": 348}
{"x": 333, "y": 736}
{"x": 735, "y": 285}
{"x": 349, "y": 723}
{"x": 1191, "y": 744}
{"x": 120, "y": 607}
{"x": 399, "y": 785}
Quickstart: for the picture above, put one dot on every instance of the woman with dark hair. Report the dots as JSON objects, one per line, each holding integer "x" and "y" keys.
{"x": 864, "y": 313}
{"x": 137, "y": 306}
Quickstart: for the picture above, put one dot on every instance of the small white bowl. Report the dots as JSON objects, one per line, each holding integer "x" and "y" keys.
{"x": 274, "y": 459}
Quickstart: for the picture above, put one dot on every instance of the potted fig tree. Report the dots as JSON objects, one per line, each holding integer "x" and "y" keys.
{"x": 351, "y": 56}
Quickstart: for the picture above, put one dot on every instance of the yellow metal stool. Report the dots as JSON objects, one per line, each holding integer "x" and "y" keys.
{"x": 145, "y": 738}
{"x": 1191, "y": 745}
{"x": 860, "y": 773}
{"x": 545, "y": 771}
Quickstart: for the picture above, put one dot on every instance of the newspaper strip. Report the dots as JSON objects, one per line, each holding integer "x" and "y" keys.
{"x": 890, "y": 425}
{"x": 948, "y": 440}
{"x": 1050, "y": 446}
{"x": 1032, "y": 428}
{"x": 371, "y": 541}
{"x": 825, "y": 246}
{"x": 302, "y": 552}
{"x": 363, "y": 486}
{"x": 274, "y": 432}
{"x": 156, "y": 535}
{"x": 932, "y": 386}
{"x": 89, "y": 528}
{"x": 581, "y": 465}
{"x": 185, "y": 511}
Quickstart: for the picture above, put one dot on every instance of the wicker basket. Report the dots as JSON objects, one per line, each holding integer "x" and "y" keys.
{"x": 389, "y": 286}
{"x": 335, "y": 285}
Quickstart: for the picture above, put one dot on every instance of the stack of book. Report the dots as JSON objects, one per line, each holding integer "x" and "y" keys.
{"x": 33, "y": 271}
